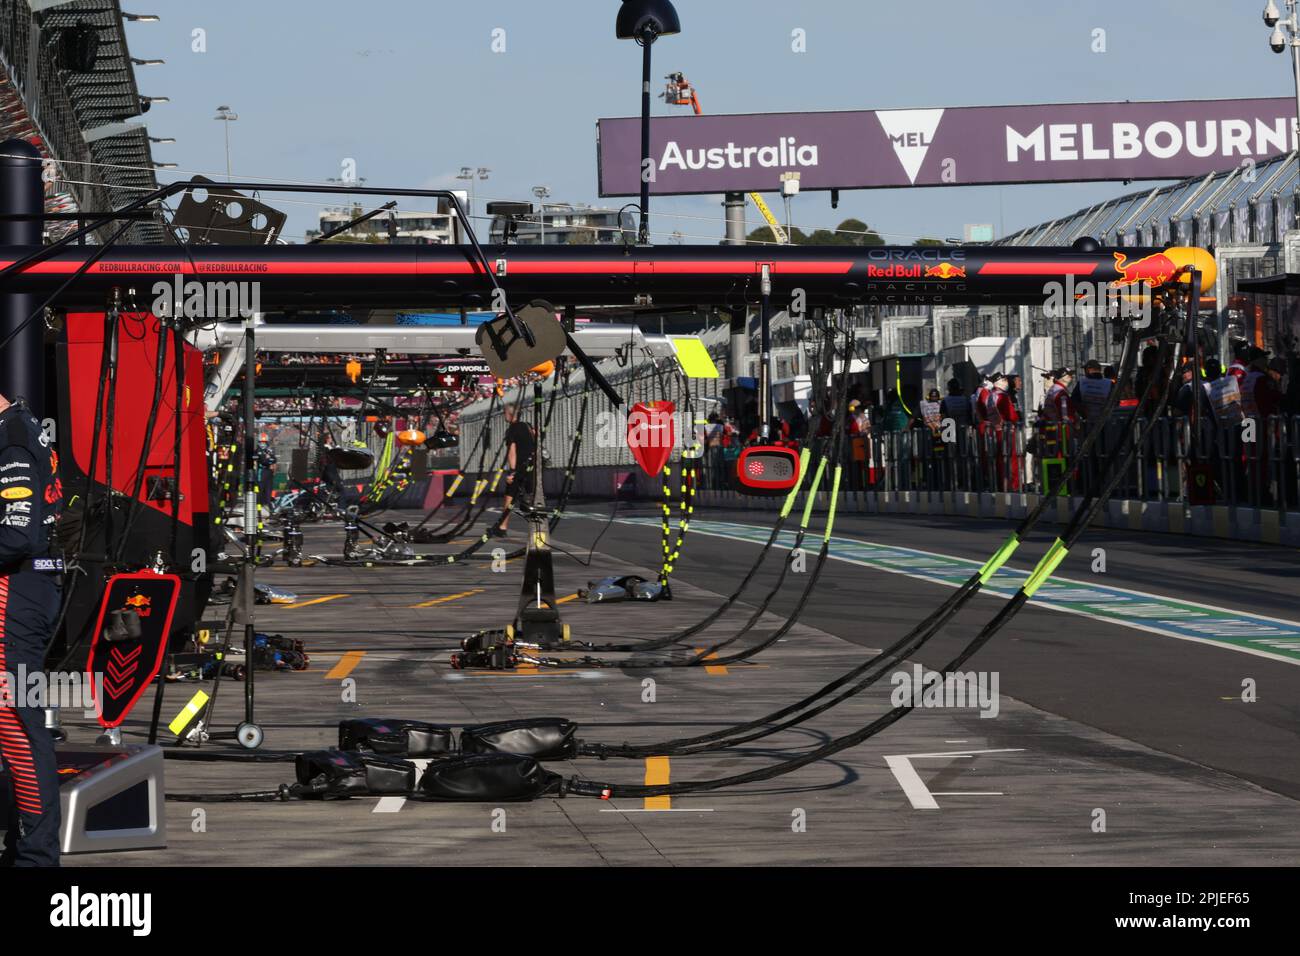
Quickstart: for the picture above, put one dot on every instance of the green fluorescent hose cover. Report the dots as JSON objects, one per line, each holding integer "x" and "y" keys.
{"x": 812, "y": 493}
{"x": 835, "y": 497}
{"x": 1055, "y": 555}
{"x": 992, "y": 564}
{"x": 786, "y": 508}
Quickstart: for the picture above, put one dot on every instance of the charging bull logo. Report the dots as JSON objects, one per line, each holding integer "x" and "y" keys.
{"x": 1153, "y": 270}
{"x": 945, "y": 270}
{"x": 651, "y": 434}
{"x": 139, "y": 603}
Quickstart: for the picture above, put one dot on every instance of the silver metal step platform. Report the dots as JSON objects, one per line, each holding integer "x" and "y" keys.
{"x": 112, "y": 798}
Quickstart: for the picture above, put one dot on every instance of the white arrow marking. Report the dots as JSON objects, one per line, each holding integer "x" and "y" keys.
{"x": 918, "y": 794}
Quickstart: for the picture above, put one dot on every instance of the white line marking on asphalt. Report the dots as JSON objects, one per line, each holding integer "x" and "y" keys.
{"x": 394, "y": 804}
{"x": 967, "y": 793}
{"x": 664, "y": 810}
{"x": 1167, "y": 610}
{"x": 916, "y": 791}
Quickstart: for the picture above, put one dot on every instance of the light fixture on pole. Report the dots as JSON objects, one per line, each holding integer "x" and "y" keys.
{"x": 541, "y": 192}
{"x": 139, "y": 17}
{"x": 226, "y": 115}
{"x": 645, "y": 21}
{"x": 789, "y": 189}
{"x": 469, "y": 173}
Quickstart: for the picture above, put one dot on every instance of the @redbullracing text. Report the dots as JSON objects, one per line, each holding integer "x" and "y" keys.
{"x": 1201, "y": 910}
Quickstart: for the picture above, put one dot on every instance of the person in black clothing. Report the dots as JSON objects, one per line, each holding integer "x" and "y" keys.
{"x": 30, "y": 583}
{"x": 521, "y": 449}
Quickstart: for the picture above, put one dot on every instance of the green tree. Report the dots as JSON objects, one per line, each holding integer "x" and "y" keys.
{"x": 929, "y": 242}
{"x": 855, "y": 232}
{"x": 764, "y": 234}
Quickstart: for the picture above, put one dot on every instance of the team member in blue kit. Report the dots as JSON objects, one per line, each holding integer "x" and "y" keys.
{"x": 30, "y": 581}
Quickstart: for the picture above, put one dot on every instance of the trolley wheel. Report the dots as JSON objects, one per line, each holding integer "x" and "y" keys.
{"x": 249, "y": 736}
{"x": 456, "y": 662}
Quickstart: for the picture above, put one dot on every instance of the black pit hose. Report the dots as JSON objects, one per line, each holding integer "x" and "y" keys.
{"x": 481, "y": 440}
{"x": 705, "y": 656}
{"x": 281, "y": 794}
{"x": 87, "y": 493}
{"x": 1080, "y": 521}
{"x": 178, "y": 437}
{"x": 146, "y": 444}
{"x": 459, "y": 520}
{"x": 911, "y": 641}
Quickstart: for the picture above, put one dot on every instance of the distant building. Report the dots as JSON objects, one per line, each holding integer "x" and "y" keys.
{"x": 411, "y": 228}
{"x": 569, "y": 225}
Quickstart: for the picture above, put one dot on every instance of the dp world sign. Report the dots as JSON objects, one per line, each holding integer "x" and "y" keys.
{"x": 957, "y": 146}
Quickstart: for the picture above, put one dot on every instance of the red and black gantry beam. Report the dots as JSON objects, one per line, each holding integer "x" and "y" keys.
{"x": 400, "y": 276}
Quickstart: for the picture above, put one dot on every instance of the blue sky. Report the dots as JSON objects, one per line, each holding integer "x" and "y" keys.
{"x": 412, "y": 90}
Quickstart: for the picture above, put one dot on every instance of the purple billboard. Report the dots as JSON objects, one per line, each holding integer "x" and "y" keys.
{"x": 958, "y": 146}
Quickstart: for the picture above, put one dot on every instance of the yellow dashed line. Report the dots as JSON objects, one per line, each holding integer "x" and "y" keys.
{"x": 567, "y": 598}
{"x": 711, "y": 669}
{"x": 319, "y": 600}
{"x": 656, "y": 774}
{"x": 345, "y": 665}
{"x": 449, "y": 597}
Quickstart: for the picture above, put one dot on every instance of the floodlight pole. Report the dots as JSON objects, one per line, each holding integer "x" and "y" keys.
{"x": 643, "y": 233}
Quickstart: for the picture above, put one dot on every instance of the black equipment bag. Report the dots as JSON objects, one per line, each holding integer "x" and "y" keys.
{"x": 395, "y": 735}
{"x": 335, "y": 775}
{"x": 488, "y": 777}
{"x": 546, "y": 738}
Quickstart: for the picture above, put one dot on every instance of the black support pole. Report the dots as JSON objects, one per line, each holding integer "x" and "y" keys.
{"x": 22, "y": 361}
{"x": 643, "y": 233}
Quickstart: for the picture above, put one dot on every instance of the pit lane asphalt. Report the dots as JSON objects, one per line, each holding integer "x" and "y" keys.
{"x": 1181, "y": 698}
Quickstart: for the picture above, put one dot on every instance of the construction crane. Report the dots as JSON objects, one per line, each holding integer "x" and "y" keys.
{"x": 679, "y": 92}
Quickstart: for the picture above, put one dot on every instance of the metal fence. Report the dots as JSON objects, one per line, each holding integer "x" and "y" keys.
{"x": 604, "y": 432}
{"x": 1254, "y": 463}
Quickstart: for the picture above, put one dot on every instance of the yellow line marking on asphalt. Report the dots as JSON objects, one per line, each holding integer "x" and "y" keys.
{"x": 656, "y": 775}
{"x": 449, "y": 597}
{"x": 319, "y": 600}
{"x": 567, "y": 598}
{"x": 711, "y": 669}
{"x": 345, "y": 665}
